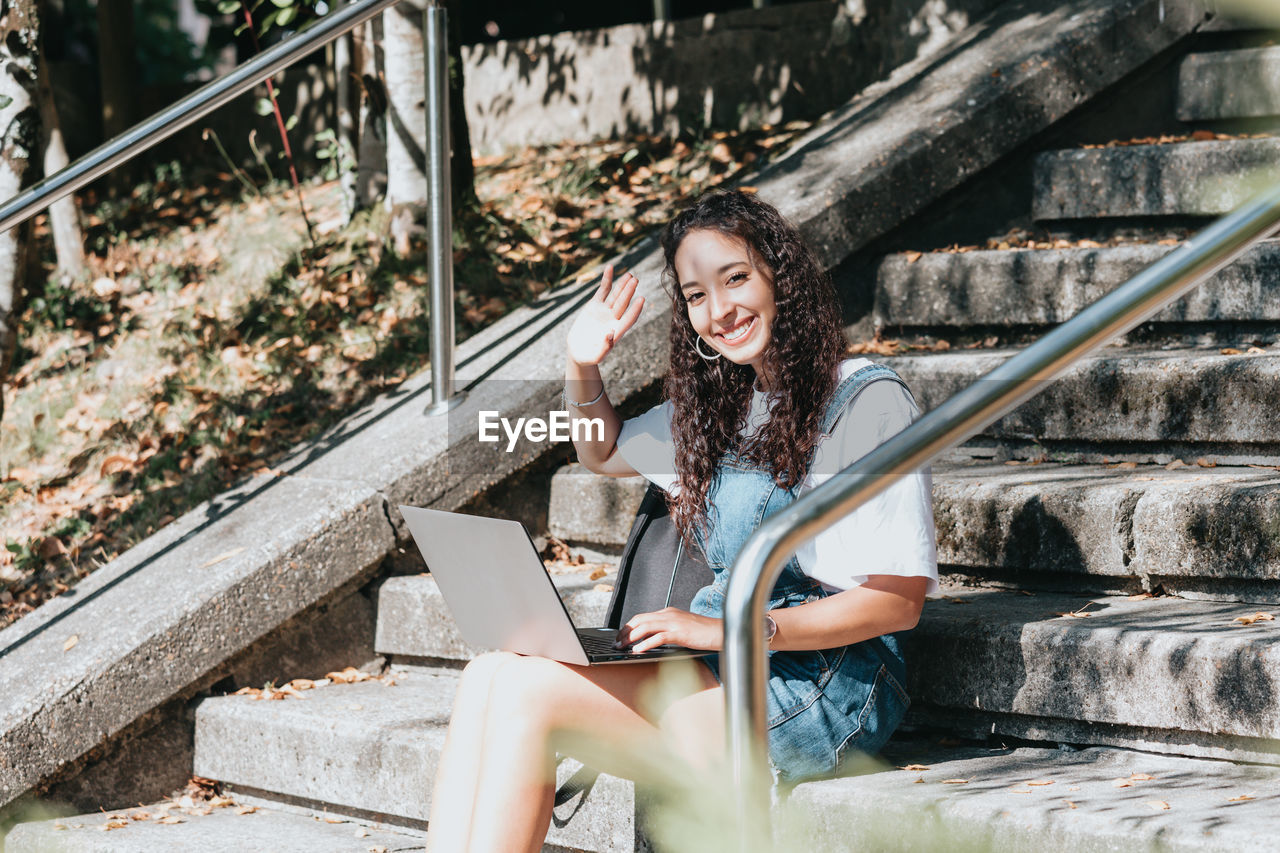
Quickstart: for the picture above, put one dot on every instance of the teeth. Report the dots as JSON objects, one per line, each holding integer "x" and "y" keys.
{"x": 739, "y": 332}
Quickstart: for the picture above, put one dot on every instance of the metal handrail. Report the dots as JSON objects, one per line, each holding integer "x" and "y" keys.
{"x": 190, "y": 109}
{"x": 762, "y": 558}
{"x": 216, "y": 93}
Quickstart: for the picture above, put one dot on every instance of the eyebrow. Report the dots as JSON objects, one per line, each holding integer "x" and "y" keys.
{"x": 724, "y": 269}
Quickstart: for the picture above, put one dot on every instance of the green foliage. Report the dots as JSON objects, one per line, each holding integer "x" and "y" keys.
{"x": 165, "y": 53}
{"x": 271, "y": 15}
{"x": 337, "y": 154}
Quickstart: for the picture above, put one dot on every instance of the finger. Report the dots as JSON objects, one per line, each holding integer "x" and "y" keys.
{"x": 625, "y": 292}
{"x": 651, "y": 642}
{"x": 628, "y": 318}
{"x": 620, "y": 293}
{"x": 606, "y": 282}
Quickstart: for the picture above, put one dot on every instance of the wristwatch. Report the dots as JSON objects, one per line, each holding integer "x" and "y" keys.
{"x": 770, "y": 629}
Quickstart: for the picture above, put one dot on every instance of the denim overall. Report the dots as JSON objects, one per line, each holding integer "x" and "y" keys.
{"x": 824, "y": 707}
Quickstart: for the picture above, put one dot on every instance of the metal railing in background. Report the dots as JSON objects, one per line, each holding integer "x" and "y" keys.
{"x": 1021, "y": 377}
{"x": 217, "y": 93}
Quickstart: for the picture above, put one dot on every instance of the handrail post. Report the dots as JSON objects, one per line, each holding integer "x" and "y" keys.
{"x": 439, "y": 207}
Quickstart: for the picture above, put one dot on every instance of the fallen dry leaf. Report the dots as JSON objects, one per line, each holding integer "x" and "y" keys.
{"x": 603, "y": 587}
{"x": 331, "y": 819}
{"x": 1020, "y": 791}
{"x": 171, "y": 819}
{"x": 1039, "y": 782}
{"x": 1240, "y": 799}
{"x": 1254, "y": 617}
{"x": 71, "y": 642}
{"x": 1121, "y": 783}
{"x": 913, "y": 256}
{"x": 955, "y": 781}
{"x": 914, "y": 768}
{"x": 1142, "y": 777}
{"x": 218, "y": 559}
{"x": 1205, "y": 463}
{"x": 1070, "y": 804}
{"x": 113, "y": 824}
{"x": 350, "y": 675}
{"x": 1229, "y": 351}
{"x": 597, "y": 574}
{"x": 1158, "y": 805}
{"x": 246, "y": 809}
{"x": 1175, "y": 465}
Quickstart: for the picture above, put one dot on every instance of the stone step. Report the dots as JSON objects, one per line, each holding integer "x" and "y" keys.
{"x": 371, "y": 749}
{"x": 591, "y": 509}
{"x": 137, "y": 830}
{"x": 1206, "y": 533}
{"x": 1228, "y": 84}
{"x": 1171, "y": 402}
{"x": 1180, "y": 179}
{"x": 1195, "y": 531}
{"x": 382, "y": 757}
{"x": 1147, "y": 670}
{"x": 1033, "y": 799}
{"x": 1159, "y": 673}
{"x": 1040, "y": 287}
{"x": 414, "y": 621}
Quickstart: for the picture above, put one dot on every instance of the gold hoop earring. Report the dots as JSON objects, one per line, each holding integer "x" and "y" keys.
{"x": 697, "y": 345}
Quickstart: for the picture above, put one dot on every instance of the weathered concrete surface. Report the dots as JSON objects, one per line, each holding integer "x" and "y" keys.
{"x": 223, "y": 830}
{"x": 370, "y": 747}
{"x": 154, "y": 754}
{"x": 1178, "y": 179}
{"x": 414, "y": 621}
{"x": 1209, "y": 528}
{"x": 1079, "y": 809}
{"x": 1048, "y": 286}
{"x": 1124, "y": 394}
{"x": 1211, "y": 532}
{"x": 934, "y": 123}
{"x": 586, "y": 507}
{"x": 739, "y": 69}
{"x": 1226, "y": 84}
{"x": 1151, "y": 665}
{"x": 163, "y": 619}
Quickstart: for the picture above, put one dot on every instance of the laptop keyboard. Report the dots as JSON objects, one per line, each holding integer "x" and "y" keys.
{"x": 595, "y": 644}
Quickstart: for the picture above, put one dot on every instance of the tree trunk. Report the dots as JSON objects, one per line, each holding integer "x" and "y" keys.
{"x": 64, "y": 219}
{"x": 462, "y": 169}
{"x": 403, "y": 45}
{"x": 347, "y": 137}
{"x": 118, "y": 67}
{"x": 19, "y": 135}
{"x": 371, "y": 174}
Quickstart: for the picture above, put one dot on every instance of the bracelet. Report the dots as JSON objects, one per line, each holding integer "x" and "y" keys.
{"x": 564, "y": 396}
{"x": 770, "y": 630}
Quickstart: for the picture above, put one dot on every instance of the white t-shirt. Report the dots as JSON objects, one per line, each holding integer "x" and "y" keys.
{"x": 892, "y": 534}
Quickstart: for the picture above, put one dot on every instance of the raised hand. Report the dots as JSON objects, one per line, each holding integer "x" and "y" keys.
{"x": 605, "y": 318}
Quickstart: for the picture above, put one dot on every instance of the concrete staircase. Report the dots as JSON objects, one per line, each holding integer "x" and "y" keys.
{"x": 1107, "y": 548}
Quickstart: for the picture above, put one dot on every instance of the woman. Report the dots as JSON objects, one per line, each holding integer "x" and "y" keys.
{"x": 761, "y": 405}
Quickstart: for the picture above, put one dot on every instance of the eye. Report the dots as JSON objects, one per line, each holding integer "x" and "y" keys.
{"x": 737, "y": 277}
{"x": 693, "y": 298}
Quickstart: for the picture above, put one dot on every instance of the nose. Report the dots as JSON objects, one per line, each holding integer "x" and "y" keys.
{"x": 720, "y": 304}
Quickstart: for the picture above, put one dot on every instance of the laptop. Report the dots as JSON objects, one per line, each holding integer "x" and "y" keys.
{"x": 501, "y": 595}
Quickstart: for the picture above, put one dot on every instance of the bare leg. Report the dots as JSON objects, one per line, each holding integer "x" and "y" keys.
{"x": 534, "y": 697}
{"x": 458, "y": 773}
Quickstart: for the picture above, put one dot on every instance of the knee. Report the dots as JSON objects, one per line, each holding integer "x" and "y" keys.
{"x": 479, "y": 672}
{"x": 524, "y": 690}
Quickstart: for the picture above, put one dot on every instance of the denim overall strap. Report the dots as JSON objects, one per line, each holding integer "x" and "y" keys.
{"x": 850, "y": 388}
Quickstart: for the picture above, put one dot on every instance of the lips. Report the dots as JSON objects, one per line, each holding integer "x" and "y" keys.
{"x": 739, "y": 333}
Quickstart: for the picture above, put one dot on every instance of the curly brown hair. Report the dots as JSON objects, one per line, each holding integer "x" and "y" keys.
{"x": 711, "y": 398}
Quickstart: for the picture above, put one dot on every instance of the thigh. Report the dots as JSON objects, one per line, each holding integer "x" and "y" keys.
{"x": 621, "y": 704}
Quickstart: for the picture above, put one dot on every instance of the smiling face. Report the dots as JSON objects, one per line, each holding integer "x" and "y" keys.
{"x": 729, "y": 295}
